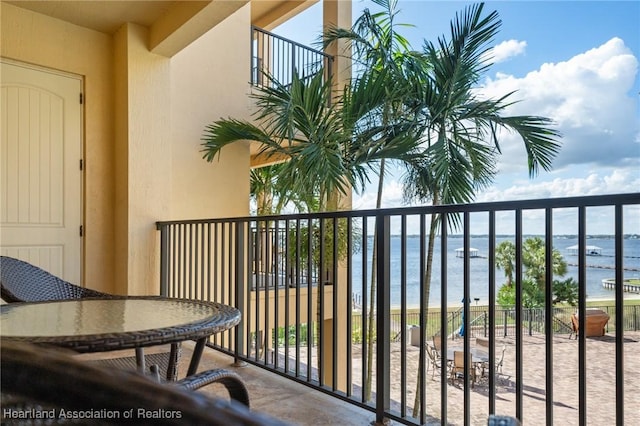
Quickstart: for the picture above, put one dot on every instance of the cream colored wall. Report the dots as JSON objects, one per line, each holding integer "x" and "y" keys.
{"x": 144, "y": 115}
{"x": 143, "y": 159}
{"x": 37, "y": 39}
{"x": 209, "y": 81}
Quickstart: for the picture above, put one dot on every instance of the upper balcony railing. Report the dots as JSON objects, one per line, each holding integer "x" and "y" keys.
{"x": 305, "y": 284}
{"x": 275, "y": 58}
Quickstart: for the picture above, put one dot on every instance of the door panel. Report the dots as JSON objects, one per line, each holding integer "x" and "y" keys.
{"x": 41, "y": 181}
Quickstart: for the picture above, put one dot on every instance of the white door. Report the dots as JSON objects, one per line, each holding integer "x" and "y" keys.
{"x": 40, "y": 176}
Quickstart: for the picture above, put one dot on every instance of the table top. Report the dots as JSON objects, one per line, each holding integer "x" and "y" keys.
{"x": 478, "y": 355}
{"x": 95, "y": 325}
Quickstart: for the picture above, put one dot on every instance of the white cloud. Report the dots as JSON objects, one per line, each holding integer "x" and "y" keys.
{"x": 618, "y": 182}
{"x": 593, "y": 183}
{"x": 507, "y": 49}
{"x": 391, "y": 196}
{"x": 589, "y": 98}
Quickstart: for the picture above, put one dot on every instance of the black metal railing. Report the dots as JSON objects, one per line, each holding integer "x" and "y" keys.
{"x": 294, "y": 276}
{"x": 277, "y": 59}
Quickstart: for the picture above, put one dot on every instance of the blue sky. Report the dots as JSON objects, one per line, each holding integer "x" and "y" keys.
{"x": 573, "y": 61}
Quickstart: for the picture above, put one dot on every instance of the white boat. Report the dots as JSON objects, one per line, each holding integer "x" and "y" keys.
{"x": 589, "y": 250}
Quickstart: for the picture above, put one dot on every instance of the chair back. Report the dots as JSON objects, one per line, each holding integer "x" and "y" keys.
{"x": 23, "y": 282}
{"x": 39, "y": 379}
{"x": 433, "y": 356}
{"x": 458, "y": 360}
{"x": 437, "y": 342}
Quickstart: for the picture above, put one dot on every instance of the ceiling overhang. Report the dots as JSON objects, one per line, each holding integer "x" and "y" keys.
{"x": 173, "y": 25}
{"x": 268, "y": 14}
{"x": 185, "y": 22}
{"x": 261, "y": 159}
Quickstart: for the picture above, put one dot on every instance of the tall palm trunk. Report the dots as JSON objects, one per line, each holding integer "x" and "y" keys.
{"x": 372, "y": 292}
{"x": 426, "y": 292}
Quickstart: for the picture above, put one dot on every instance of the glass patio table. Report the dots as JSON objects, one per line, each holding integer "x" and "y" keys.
{"x": 98, "y": 325}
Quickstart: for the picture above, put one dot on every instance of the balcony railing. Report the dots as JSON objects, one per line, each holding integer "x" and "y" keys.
{"x": 275, "y": 58}
{"x": 304, "y": 285}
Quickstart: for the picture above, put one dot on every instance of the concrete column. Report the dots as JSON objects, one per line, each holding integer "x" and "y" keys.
{"x": 338, "y": 13}
{"x": 142, "y": 158}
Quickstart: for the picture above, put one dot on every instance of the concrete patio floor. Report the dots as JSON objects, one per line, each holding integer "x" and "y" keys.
{"x": 301, "y": 405}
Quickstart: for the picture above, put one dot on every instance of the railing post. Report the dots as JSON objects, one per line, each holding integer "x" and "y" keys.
{"x": 484, "y": 319}
{"x": 164, "y": 260}
{"x": 619, "y": 314}
{"x": 504, "y": 322}
{"x": 240, "y": 287}
{"x": 383, "y": 280}
{"x": 252, "y": 48}
{"x": 293, "y": 64}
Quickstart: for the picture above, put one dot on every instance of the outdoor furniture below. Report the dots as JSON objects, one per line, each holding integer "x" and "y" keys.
{"x": 595, "y": 322}
{"x": 482, "y": 341}
{"x": 455, "y": 359}
{"x": 457, "y": 368}
{"x": 498, "y": 365}
{"x": 437, "y": 343}
{"x": 433, "y": 360}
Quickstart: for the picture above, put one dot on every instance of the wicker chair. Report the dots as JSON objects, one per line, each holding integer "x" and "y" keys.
{"x": 47, "y": 380}
{"x": 21, "y": 281}
{"x": 24, "y": 282}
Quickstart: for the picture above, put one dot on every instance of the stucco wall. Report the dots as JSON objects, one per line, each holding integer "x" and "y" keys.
{"x": 37, "y": 39}
{"x": 142, "y": 159}
{"x": 144, "y": 116}
{"x": 209, "y": 80}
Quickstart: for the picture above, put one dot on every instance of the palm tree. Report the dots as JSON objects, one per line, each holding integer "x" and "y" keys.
{"x": 331, "y": 146}
{"x": 378, "y": 49}
{"x": 461, "y": 130}
{"x": 336, "y": 144}
{"x": 533, "y": 259}
{"x": 534, "y": 284}
{"x": 505, "y": 258}
{"x": 266, "y": 189}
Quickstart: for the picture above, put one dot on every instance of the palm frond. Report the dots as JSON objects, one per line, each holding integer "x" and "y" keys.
{"x": 540, "y": 140}
{"x": 227, "y": 131}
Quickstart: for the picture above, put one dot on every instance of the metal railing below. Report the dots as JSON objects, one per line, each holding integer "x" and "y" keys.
{"x": 312, "y": 334}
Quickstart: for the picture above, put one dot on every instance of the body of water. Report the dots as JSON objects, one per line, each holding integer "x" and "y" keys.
{"x": 598, "y": 270}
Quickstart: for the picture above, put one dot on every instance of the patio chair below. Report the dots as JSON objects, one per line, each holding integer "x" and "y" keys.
{"x": 595, "y": 322}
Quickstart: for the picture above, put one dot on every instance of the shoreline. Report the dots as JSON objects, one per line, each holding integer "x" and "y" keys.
{"x": 484, "y": 303}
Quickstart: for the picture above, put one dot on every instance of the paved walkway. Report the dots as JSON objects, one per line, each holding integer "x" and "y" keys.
{"x": 600, "y": 374}
{"x": 301, "y": 405}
